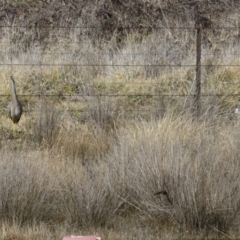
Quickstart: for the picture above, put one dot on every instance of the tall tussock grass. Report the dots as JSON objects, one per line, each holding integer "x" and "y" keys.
{"x": 26, "y": 191}
{"x": 46, "y": 126}
{"x": 86, "y": 197}
{"x": 196, "y": 163}
{"x": 101, "y": 111}
{"x": 36, "y": 188}
{"x": 82, "y": 144}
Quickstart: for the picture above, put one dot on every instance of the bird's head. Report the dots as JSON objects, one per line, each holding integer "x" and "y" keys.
{"x": 11, "y": 78}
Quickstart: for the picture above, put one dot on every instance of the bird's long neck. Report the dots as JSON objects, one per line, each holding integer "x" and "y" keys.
{"x": 14, "y": 94}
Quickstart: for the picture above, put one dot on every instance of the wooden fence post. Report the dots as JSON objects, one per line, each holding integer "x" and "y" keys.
{"x": 197, "y": 100}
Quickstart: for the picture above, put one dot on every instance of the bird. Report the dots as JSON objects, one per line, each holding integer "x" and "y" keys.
{"x": 163, "y": 192}
{"x": 14, "y": 107}
{"x": 178, "y": 212}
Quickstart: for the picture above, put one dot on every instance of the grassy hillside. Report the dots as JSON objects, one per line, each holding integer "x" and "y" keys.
{"x": 107, "y": 89}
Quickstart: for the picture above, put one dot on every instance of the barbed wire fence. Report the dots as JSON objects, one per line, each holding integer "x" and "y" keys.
{"x": 9, "y": 51}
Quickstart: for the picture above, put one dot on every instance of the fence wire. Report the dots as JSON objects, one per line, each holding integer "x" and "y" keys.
{"x": 6, "y": 54}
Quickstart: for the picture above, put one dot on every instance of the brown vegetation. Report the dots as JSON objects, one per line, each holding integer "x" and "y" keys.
{"x": 96, "y": 142}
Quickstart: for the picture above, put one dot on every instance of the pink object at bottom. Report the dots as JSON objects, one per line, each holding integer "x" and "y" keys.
{"x": 81, "y": 238}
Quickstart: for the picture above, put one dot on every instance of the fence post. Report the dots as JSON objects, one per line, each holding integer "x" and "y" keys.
{"x": 197, "y": 101}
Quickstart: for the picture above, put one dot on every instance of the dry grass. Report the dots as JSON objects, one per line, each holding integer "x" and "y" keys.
{"x": 195, "y": 162}
{"x": 23, "y": 180}
{"x": 45, "y": 129}
{"x": 88, "y": 159}
{"x": 188, "y": 160}
{"x": 82, "y": 143}
{"x": 83, "y": 163}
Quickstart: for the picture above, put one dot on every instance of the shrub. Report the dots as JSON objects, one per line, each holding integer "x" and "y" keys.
{"x": 25, "y": 193}
{"x": 195, "y": 163}
{"x": 46, "y": 125}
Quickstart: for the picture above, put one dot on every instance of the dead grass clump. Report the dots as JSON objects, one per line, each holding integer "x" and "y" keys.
{"x": 86, "y": 198}
{"x": 37, "y": 231}
{"x": 46, "y": 127}
{"x": 102, "y": 111}
{"x": 39, "y": 188}
{"x": 195, "y": 163}
{"x": 25, "y": 194}
{"x": 83, "y": 143}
